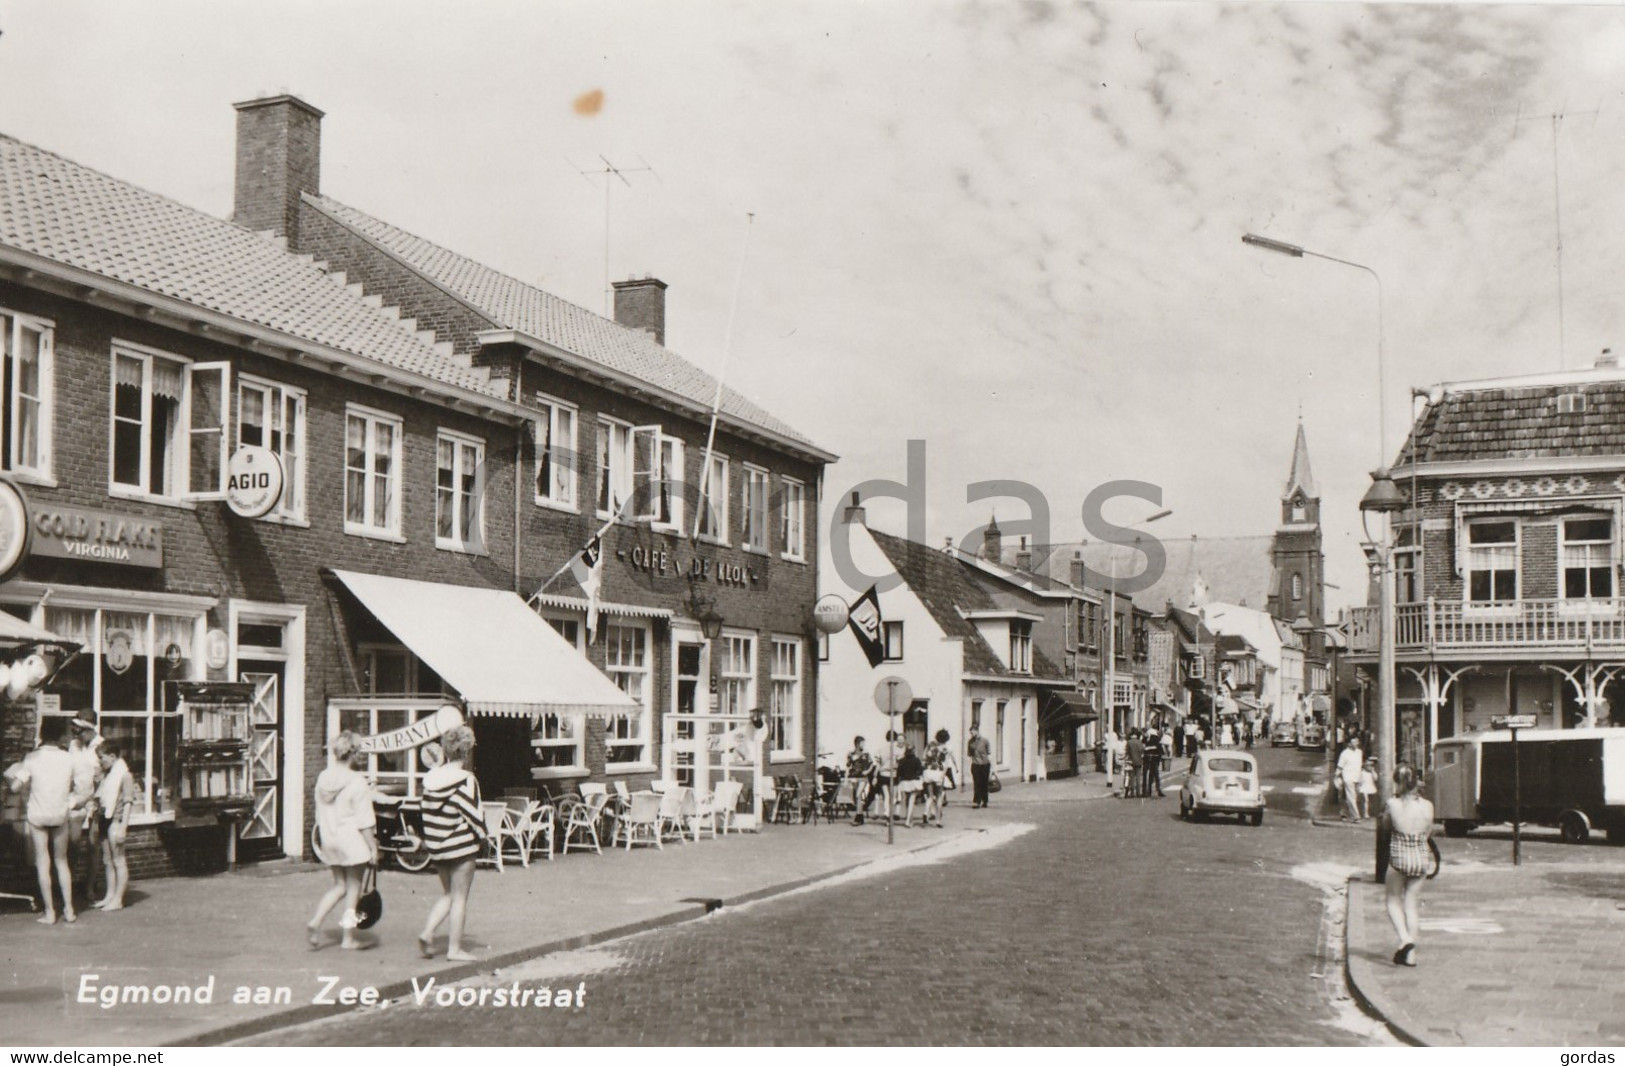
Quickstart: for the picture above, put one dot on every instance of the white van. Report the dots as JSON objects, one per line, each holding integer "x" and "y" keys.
{"x": 1573, "y": 779}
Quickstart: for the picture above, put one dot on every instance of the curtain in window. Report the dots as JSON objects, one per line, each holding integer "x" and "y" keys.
{"x": 71, "y": 623}
{"x": 168, "y": 379}
{"x": 173, "y": 630}
{"x": 127, "y": 371}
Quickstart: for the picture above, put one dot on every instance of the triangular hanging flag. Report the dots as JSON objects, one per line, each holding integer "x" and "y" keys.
{"x": 587, "y": 568}
{"x": 864, "y": 620}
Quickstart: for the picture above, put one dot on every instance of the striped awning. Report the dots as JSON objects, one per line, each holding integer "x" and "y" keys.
{"x": 501, "y": 656}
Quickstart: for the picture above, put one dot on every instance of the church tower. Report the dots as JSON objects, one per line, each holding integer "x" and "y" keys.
{"x": 1299, "y": 588}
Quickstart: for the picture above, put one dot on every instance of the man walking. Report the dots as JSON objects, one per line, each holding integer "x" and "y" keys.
{"x": 1349, "y": 765}
{"x": 1132, "y": 764}
{"x": 980, "y": 755}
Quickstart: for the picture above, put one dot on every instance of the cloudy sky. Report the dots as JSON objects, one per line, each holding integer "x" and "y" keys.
{"x": 1009, "y": 230}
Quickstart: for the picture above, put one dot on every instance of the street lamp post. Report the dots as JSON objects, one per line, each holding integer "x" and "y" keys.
{"x": 1382, "y": 499}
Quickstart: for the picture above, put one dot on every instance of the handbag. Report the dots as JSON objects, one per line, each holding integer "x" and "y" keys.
{"x": 370, "y": 907}
{"x": 993, "y": 784}
{"x": 1438, "y": 860}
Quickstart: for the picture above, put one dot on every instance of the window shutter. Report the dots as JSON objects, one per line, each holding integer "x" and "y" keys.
{"x": 207, "y": 402}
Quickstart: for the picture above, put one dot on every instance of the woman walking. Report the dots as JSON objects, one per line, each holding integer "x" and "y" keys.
{"x": 454, "y": 830}
{"x": 114, "y": 798}
{"x": 345, "y": 820}
{"x": 1410, "y": 824}
{"x": 939, "y": 771}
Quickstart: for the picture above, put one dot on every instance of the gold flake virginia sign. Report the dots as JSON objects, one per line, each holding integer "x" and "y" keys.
{"x": 98, "y": 536}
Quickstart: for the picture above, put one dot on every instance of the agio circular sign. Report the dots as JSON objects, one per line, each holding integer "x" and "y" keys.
{"x": 253, "y": 481}
{"x": 14, "y": 528}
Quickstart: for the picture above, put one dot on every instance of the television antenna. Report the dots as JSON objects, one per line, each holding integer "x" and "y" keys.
{"x": 610, "y": 173}
{"x": 1556, "y": 119}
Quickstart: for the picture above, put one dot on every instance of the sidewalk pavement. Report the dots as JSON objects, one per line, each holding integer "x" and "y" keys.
{"x": 1509, "y": 956}
{"x": 246, "y": 928}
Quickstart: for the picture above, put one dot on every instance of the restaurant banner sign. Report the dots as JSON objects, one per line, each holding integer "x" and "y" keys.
{"x": 98, "y": 536}
{"x": 419, "y": 732}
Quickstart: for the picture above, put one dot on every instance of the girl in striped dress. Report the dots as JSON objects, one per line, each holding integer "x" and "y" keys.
{"x": 453, "y": 830}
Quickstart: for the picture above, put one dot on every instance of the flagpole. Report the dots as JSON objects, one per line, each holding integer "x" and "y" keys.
{"x": 716, "y": 402}
{"x": 613, "y": 518}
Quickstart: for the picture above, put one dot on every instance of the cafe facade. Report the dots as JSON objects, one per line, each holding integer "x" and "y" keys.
{"x": 425, "y": 494}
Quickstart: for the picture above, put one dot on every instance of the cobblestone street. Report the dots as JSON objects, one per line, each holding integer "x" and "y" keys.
{"x": 1111, "y": 921}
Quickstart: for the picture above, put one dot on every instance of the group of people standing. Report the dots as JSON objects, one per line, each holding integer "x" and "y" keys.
{"x": 453, "y": 829}
{"x": 925, "y": 779}
{"x": 1355, "y": 781}
{"x": 1139, "y": 758}
{"x": 77, "y": 795}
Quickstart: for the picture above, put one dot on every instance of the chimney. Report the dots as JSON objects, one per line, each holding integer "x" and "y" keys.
{"x": 641, "y": 304}
{"x": 1024, "y": 558}
{"x": 279, "y": 156}
{"x": 1077, "y": 569}
{"x": 854, "y": 513}
{"x": 992, "y": 542}
{"x": 1607, "y": 360}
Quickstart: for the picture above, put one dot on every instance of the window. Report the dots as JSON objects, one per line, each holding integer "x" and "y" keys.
{"x": 556, "y": 457}
{"x": 458, "y": 491}
{"x": 1407, "y": 567}
{"x": 26, "y": 364}
{"x": 560, "y": 743}
{"x": 626, "y": 661}
{"x": 737, "y": 670}
{"x": 891, "y": 637}
{"x": 976, "y": 715}
{"x": 372, "y": 473}
{"x": 168, "y": 425}
{"x": 1587, "y": 558}
{"x": 1021, "y": 647}
{"x": 1492, "y": 561}
{"x": 714, "y": 502}
{"x": 793, "y": 520}
{"x": 998, "y": 732}
{"x": 397, "y": 771}
{"x": 755, "y": 503}
{"x": 614, "y": 466}
{"x": 1198, "y": 667}
{"x": 117, "y": 680}
{"x": 568, "y": 628}
{"x": 1297, "y": 587}
{"x": 784, "y": 706}
{"x": 273, "y": 416}
{"x": 666, "y": 503}
{"x": 823, "y": 646}
{"x": 392, "y": 670}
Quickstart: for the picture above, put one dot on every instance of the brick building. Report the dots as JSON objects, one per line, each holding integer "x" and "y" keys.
{"x": 1508, "y": 559}
{"x": 435, "y": 455}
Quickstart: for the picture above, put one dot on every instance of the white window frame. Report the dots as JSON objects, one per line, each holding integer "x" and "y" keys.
{"x": 372, "y": 417}
{"x": 666, "y": 508}
{"x": 736, "y": 686}
{"x": 714, "y": 502}
{"x": 559, "y": 620}
{"x": 1516, "y": 549}
{"x": 279, "y": 402}
{"x": 999, "y": 707}
{"x": 1021, "y": 647}
{"x": 181, "y": 489}
{"x": 890, "y": 627}
{"x": 613, "y": 452}
{"x": 1610, "y": 546}
{"x": 462, "y": 444}
{"x": 793, "y": 520}
{"x": 554, "y": 434}
{"x": 753, "y": 502}
{"x": 784, "y": 702}
{"x": 12, "y": 325}
{"x": 547, "y": 737}
{"x": 643, "y": 717}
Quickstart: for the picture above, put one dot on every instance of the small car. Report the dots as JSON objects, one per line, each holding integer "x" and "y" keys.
{"x": 1283, "y": 734}
{"x": 1312, "y": 737}
{"x": 1224, "y": 782}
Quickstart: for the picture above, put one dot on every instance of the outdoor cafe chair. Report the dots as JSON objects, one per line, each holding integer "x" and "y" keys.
{"x": 581, "y": 823}
{"x": 502, "y": 828}
{"x": 785, "y": 793}
{"x": 533, "y": 821}
{"x": 677, "y": 812}
{"x": 641, "y": 821}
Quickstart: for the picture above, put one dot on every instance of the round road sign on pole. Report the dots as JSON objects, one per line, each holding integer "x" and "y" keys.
{"x": 893, "y": 695}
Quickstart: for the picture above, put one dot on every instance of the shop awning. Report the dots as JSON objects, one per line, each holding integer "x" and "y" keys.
{"x": 1068, "y": 707}
{"x": 16, "y": 633}
{"x": 499, "y": 655}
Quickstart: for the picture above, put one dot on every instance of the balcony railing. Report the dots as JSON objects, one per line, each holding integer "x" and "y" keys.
{"x": 1540, "y": 625}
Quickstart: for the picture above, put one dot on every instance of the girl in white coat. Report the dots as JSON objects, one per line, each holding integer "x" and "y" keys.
{"x": 345, "y": 819}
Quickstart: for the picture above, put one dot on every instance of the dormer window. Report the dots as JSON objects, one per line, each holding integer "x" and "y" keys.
{"x": 1571, "y": 403}
{"x": 1021, "y": 647}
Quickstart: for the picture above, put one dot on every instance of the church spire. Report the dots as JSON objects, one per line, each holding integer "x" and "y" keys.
{"x": 1301, "y": 478}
